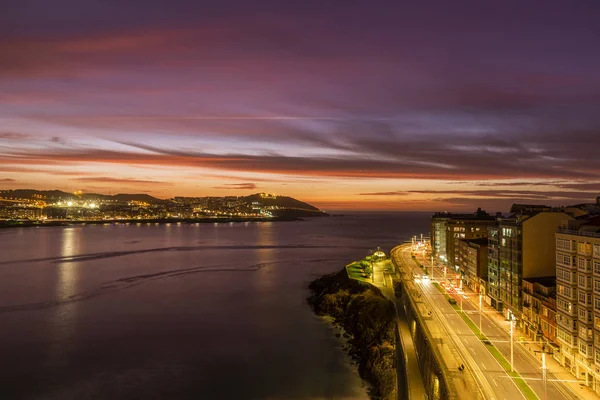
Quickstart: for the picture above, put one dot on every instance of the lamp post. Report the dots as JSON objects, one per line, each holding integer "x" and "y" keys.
{"x": 544, "y": 377}
{"x": 544, "y": 372}
{"x": 432, "y": 267}
{"x": 480, "y": 312}
{"x": 512, "y": 368}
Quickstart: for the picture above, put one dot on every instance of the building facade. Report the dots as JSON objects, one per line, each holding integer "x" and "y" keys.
{"x": 439, "y": 226}
{"x": 521, "y": 246}
{"x": 539, "y": 311}
{"x": 471, "y": 226}
{"x": 472, "y": 262}
{"x": 578, "y": 299}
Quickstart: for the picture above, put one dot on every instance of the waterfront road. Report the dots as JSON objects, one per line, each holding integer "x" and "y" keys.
{"x": 492, "y": 379}
{"x": 525, "y": 363}
{"x": 410, "y": 381}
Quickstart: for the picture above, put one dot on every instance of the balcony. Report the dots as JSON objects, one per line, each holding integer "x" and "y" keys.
{"x": 584, "y": 266}
{"x": 566, "y": 310}
{"x": 585, "y": 333}
{"x": 566, "y": 339}
{"x": 571, "y": 298}
{"x": 585, "y": 321}
{"x": 562, "y": 262}
{"x": 578, "y": 233}
{"x": 569, "y": 282}
{"x": 586, "y": 350}
{"x": 567, "y": 324}
{"x": 585, "y": 286}
{"x": 597, "y": 339}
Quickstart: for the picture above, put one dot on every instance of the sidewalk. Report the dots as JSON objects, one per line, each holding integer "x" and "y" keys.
{"x": 553, "y": 367}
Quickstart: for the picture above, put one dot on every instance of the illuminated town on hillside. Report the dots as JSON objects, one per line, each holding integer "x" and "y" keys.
{"x": 57, "y": 205}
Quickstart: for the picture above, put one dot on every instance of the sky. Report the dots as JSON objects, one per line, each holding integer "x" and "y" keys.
{"x": 369, "y": 105}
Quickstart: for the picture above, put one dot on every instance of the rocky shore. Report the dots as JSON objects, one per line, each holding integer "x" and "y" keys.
{"x": 369, "y": 320}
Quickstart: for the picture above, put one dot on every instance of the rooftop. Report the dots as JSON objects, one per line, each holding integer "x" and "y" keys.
{"x": 478, "y": 241}
{"x": 547, "y": 281}
{"x": 477, "y": 215}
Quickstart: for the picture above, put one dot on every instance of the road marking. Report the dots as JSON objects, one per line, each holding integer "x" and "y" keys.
{"x": 483, "y": 365}
{"x": 493, "y": 380}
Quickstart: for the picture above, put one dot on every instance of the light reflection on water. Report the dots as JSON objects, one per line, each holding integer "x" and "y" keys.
{"x": 64, "y": 318}
{"x": 179, "y": 311}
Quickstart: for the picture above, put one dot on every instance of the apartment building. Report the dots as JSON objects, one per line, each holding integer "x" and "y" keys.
{"x": 539, "y": 311}
{"x": 472, "y": 262}
{"x": 521, "y": 246}
{"x": 448, "y": 228}
{"x": 465, "y": 227}
{"x": 437, "y": 234}
{"x": 578, "y": 298}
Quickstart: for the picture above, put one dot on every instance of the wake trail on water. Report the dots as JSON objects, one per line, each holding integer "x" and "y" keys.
{"x": 132, "y": 281}
{"x": 112, "y": 254}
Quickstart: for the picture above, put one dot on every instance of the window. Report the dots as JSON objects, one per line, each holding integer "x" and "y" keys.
{"x": 597, "y": 267}
{"x": 565, "y": 336}
{"x": 584, "y": 315}
{"x": 596, "y": 303}
{"x": 563, "y": 274}
{"x": 564, "y": 305}
{"x": 597, "y": 323}
{"x": 565, "y": 259}
{"x": 583, "y": 264}
{"x": 582, "y": 347}
{"x": 585, "y": 281}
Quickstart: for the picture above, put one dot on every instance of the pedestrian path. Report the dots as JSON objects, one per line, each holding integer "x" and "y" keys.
{"x": 415, "y": 388}
{"x": 414, "y": 380}
{"x": 577, "y": 387}
{"x": 574, "y": 388}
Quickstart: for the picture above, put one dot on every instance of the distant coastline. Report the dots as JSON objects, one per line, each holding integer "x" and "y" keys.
{"x": 32, "y": 224}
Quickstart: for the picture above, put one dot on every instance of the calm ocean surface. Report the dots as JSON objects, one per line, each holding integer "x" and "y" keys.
{"x": 174, "y": 311}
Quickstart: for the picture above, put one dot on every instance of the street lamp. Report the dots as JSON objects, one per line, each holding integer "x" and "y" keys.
{"x": 544, "y": 377}
{"x": 512, "y": 344}
{"x": 480, "y": 312}
{"x": 544, "y": 372}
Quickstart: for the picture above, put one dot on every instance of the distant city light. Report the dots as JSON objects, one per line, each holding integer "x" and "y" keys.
{"x": 69, "y": 203}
